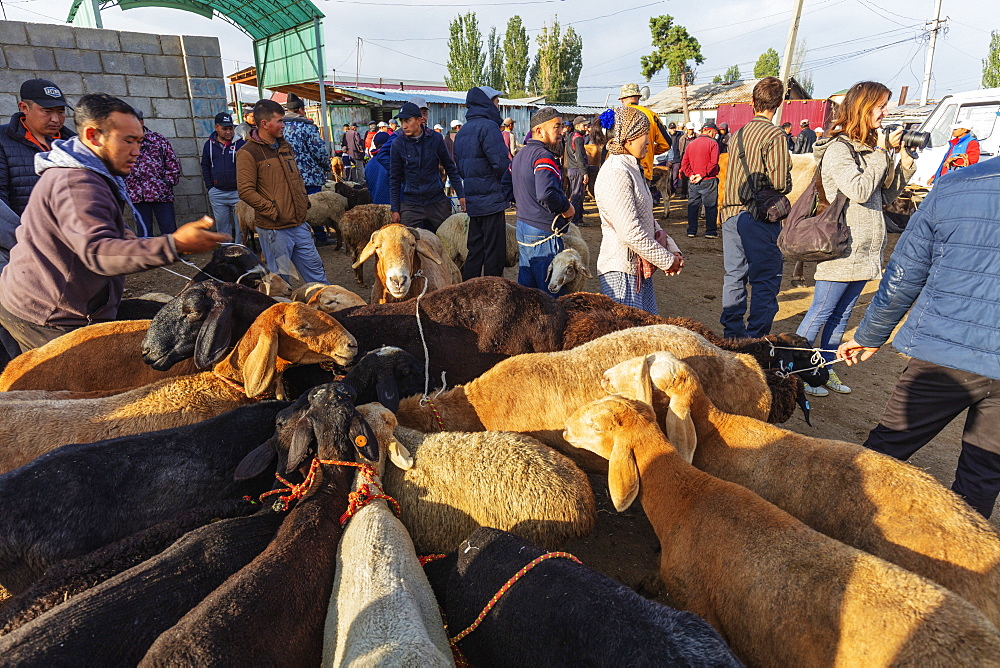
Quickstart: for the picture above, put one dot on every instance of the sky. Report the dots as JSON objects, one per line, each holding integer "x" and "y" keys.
{"x": 847, "y": 40}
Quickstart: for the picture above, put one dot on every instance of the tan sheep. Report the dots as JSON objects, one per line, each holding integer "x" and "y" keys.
{"x": 536, "y": 392}
{"x": 103, "y": 356}
{"x": 326, "y": 208}
{"x": 404, "y": 253}
{"x": 326, "y": 298}
{"x": 357, "y": 226}
{"x": 780, "y": 593}
{"x": 860, "y": 497}
{"x": 454, "y": 235}
{"x": 282, "y": 335}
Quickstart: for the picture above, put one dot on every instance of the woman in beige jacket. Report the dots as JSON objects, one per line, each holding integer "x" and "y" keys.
{"x": 632, "y": 245}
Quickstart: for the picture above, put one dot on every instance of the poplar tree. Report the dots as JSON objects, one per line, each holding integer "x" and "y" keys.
{"x": 495, "y": 69}
{"x": 466, "y": 60}
{"x": 515, "y": 57}
{"x": 991, "y": 64}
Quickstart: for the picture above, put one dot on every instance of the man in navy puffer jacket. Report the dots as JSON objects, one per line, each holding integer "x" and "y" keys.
{"x": 946, "y": 267}
{"x": 483, "y": 162}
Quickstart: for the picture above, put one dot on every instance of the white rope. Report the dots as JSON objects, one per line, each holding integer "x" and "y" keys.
{"x": 556, "y": 233}
{"x": 423, "y": 342}
{"x": 817, "y": 359}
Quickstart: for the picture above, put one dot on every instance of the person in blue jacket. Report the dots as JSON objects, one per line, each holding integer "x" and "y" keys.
{"x": 944, "y": 267}
{"x": 484, "y": 163}
{"x": 543, "y": 212}
{"x": 218, "y": 170}
{"x": 377, "y": 169}
{"x": 416, "y": 192}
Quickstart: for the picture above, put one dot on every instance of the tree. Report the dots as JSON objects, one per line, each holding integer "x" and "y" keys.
{"x": 802, "y": 76}
{"x": 466, "y": 61}
{"x": 991, "y": 64}
{"x": 571, "y": 64}
{"x": 768, "y": 65}
{"x": 717, "y": 78}
{"x": 674, "y": 48}
{"x": 495, "y": 70}
{"x": 515, "y": 57}
{"x": 555, "y": 71}
{"x": 732, "y": 74}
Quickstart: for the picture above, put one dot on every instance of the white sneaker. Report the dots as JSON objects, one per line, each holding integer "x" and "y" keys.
{"x": 816, "y": 391}
{"x": 835, "y": 384}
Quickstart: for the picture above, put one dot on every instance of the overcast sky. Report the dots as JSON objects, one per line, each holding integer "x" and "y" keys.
{"x": 409, "y": 40}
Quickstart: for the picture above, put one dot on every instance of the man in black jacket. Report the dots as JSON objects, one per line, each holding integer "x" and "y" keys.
{"x": 42, "y": 112}
{"x": 804, "y": 142}
{"x": 218, "y": 169}
{"x": 576, "y": 166}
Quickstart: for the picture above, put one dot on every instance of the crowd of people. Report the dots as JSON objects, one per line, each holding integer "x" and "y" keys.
{"x": 66, "y": 245}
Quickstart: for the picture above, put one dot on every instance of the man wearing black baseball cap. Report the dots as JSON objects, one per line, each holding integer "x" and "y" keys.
{"x": 416, "y": 193}
{"x": 218, "y": 169}
{"x": 39, "y": 120}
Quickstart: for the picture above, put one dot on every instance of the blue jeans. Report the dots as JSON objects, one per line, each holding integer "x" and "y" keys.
{"x": 829, "y": 313}
{"x": 533, "y": 261}
{"x": 164, "y": 213}
{"x": 703, "y": 193}
{"x": 224, "y": 211}
{"x": 750, "y": 255}
{"x": 292, "y": 246}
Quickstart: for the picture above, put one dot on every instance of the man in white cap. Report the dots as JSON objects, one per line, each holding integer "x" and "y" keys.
{"x": 658, "y": 142}
{"x": 449, "y": 139}
{"x": 807, "y": 137}
{"x": 963, "y": 150}
{"x": 438, "y": 128}
{"x": 422, "y": 105}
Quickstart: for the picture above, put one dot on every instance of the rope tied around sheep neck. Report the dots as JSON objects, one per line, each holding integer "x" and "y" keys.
{"x": 556, "y": 233}
{"x": 240, "y": 388}
{"x": 816, "y": 359}
{"x": 368, "y": 491}
{"x": 425, "y": 398}
{"x": 296, "y": 492}
{"x": 454, "y": 640}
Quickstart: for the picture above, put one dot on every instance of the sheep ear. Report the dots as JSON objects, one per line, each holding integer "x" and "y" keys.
{"x": 302, "y": 438}
{"x": 259, "y": 365}
{"x": 257, "y": 461}
{"x": 387, "y": 390}
{"x": 623, "y": 477}
{"x": 400, "y": 456}
{"x": 215, "y": 335}
{"x": 425, "y": 249}
{"x": 366, "y": 252}
{"x": 548, "y": 273}
{"x": 585, "y": 271}
{"x": 680, "y": 428}
{"x": 644, "y": 384}
{"x": 363, "y": 437}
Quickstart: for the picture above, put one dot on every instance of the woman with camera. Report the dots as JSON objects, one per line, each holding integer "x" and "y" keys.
{"x": 856, "y": 159}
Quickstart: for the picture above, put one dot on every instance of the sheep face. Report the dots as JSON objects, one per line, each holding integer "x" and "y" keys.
{"x": 564, "y": 269}
{"x": 598, "y": 427}
{"x": 396, "y": 246}
{"x": 383, "y": 424}
{"x": 310, "y": 336}
{"x": 332, "y": 298}
{"x": 793, "y": 360}
{"x": 200, "y": 317}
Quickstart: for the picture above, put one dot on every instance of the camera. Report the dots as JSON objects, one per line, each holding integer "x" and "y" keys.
{"x": 912, "y": 140}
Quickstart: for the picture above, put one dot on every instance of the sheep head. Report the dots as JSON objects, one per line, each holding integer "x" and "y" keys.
{"x": 564, "y": 268}
{"x": 607, "y": 427}
{"x": 383, "y": 423}
{"x": 397, "y": 247}
{"x": 295, "y": 333}
{"x": 386, "y": 374}
{"x": 636, "y": 378}
{"x": 333, "y": 298}
{"x": 796, "y": 360}
{"x": 322, "y": 424}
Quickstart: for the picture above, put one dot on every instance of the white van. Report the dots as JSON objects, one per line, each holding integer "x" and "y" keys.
{"x": 980, "y": 108}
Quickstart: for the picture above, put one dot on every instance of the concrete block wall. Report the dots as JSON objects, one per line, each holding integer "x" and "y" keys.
{"x": 177, "y": 82}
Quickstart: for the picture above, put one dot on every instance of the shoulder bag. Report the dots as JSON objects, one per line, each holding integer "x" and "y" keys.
{"x": 767, "y": 205}
{"x": 816, "y": 230}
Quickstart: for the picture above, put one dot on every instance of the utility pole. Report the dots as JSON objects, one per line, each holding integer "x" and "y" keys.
{"x": 935, "y": 26}
{"x": 357, "y": 65}
{"x": 786, "y": 58}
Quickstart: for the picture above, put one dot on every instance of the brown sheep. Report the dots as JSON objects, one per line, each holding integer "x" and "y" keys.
{"x": 860, "y": 497}
{"x": 780, "y": 593}
{"x": 357, "y": 227}
{"x": 103, "y": 356}
{"x": 326, "y": 298}
{"x": 282, "y": 335}
{"x": 403, "y": 253}
{"x": 535, "y": 393}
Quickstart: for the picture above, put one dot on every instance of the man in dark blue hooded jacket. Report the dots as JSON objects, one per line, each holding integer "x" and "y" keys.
{"x": 483, "y": 162}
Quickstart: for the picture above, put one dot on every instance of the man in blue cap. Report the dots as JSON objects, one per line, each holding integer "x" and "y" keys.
{"x": 416, "y": 193}
{"x": 218, "y": 170}
{"x": 484, "y": 163}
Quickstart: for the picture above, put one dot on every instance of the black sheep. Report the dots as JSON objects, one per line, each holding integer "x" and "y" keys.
{"x": 114, "y": 623}
{"x": 77, "y": 498}
{"x": 273, "y": 611}
{"x": 561, "y": 613}
{"x": 72, "y": 577}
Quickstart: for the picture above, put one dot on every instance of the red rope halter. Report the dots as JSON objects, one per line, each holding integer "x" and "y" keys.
{"x": 436, "y": 413}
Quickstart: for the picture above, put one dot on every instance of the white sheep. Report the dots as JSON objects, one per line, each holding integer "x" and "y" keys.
{"x": 326, "y": 208}
{"x": 567, "y": 269}
{"x": 462, "y": 481}
{"x": 454, "y": 235}
{"x": 382, "y": 609}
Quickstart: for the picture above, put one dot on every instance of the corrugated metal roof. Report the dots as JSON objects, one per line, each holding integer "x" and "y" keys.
{"x": 580, "y": 111}
{"x": 711, "y": 95}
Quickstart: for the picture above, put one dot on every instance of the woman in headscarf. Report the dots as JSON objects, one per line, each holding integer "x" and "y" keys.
{"x": 633, "y": 245}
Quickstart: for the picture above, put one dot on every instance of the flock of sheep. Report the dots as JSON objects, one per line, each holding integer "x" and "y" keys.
{"x": 233, "y": 478}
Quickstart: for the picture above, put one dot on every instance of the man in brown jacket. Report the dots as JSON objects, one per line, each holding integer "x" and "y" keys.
{"x": 268, "y": 179}
{"x": 73, "y": 248}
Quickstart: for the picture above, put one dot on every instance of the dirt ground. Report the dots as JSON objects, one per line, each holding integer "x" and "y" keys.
{"x": 623, "y": 545}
